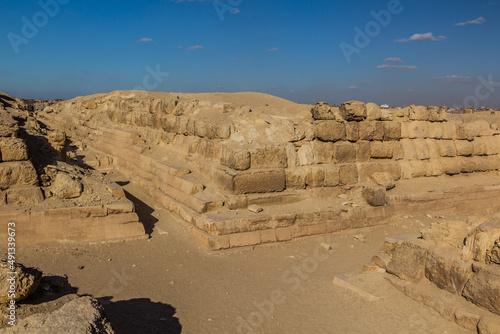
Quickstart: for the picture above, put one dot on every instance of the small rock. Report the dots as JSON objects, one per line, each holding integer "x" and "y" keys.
{"x": 255, "y": 208}
{"x": 359, "y": 237}
{"x": 326, "y": 246}
{"x": 81, "y": 267}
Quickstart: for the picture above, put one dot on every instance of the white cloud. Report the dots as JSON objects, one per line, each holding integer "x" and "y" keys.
{"x": 395, "y": 60}
{"x": 195, "y": 48}
{"x": 455, "y": 78}
{"x": 479, "y": 20}
{"x": 145, "y": 40}
{"x": 428, "y": 36}
{"x": 397, "y": 67}
{"x": 272, "y": 49}
{"x": 235, "y": 11}
{"x": 352, "y": 87}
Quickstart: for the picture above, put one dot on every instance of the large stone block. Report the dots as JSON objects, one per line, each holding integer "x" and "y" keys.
{"x": 268, "y": 157}
{"x": 348, "y": 174}
{"x": 17, "y": 174}
{"x": 392, "y": 130}
{"x": 408, "y": 260}
{"x": 436, "y": 130}
{"x": 373, "y": 112}
{"x": 381, "y": 150}
{"x": 371, "y": 130}
{"x": 446, "y": 270}
{"x": 322, "y": 151}
{"x": 305, "y": 155}
{"x": 353, "y": 111}
{"x": 418, "y": 113}
{"x": 447, "y": 148}
{"x": 483, "y": 289}
{"x": 480, "y": 243}
{"x": 13, "y": 149}
{"x": 352, "y": 131}
{"x": 450, "y": 130}
{"x": 451, "y": 166}
{"x": 437, "y": 114}
{"x": 296, "y": 178}
{"x": 434, "y": 167}
{"x": 329, "y": 130}
{"x": 464, "y": 148}
{"x": 263, "y": 181}
{"x": 421, "y": 149}
{"x": 367, "y": 169}
{"x": 468, "y": 131}
{"x": 8, "y": 127}
{"x": 322, "y": 111}
{"x": 344, "y": 152}
{"x": 24, "y": 196}
{"x": 434, "y": 151}
{"x": 374, "y": 195}
{"x": 363, "y": 151}
{"x": 485, "y": 129}
{"x": 332, "y": 176}
{"x": 409, "y": 149}
{"x": 235, "y": 157}
{"x": 315, "y": 176}
{"x": 418, "y": 129}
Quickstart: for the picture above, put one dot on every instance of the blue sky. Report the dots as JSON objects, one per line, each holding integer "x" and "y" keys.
{"x": 431, "y": 52}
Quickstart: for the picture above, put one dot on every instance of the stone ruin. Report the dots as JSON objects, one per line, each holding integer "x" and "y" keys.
{"x": 247, "y": 168}
{"x": 454, "y": 268}
{"x": 49, "y": 198}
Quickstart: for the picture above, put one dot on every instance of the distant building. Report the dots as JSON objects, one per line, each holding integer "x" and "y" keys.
{"x": 384, "y": 106}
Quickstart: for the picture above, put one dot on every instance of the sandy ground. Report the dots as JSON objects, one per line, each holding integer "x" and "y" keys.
{"x": 170, "y": 284}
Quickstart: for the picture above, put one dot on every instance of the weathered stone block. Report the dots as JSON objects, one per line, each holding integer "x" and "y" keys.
{"x": 17, "y": 174}
{"x": 447, "y": 148}
{"x": 384, "y": 179}
{"x": 446, "y": 270}
{"x": 259, "y": 181}
{"x": 322, "y": 111}
{"x": 381, "y": 150}
{"x": 296, "y": 178}
{"x": 436, "y": 130}
{"x": 483, "y": 289}
{"x": 480, "y": 242}
{"x": 371, "y": 130}
{"x": 13, "y": 149}
{"x": 418, "y": 113}
{"x": 374, "y": 195}
{"x": 451, "y": 166}
{"x": 322, "y": 151}
{"x": 373, "y": 112}
{"x": 353, "y": 111}
{"x": 344, "y": 152}
{"x": 235, "y": 157}
{"x": 352, "y": 131}
{"x": 408, "y": 260}
{"x": 409, "y": 149}
{"x": 366, "y": 170}
{"x": 329, "y": 130}
{"x": 468, "y": 131}
{"x": 348, "y": 174}
{"x": 24, "y": 196}
{"x": 315, "y": 176}
{"x": 392, "y": 131}
{"x": 434, "y": 167}
{"x": 332, "y": 176}
{"x": 464, "y": 148}
{"x": 434, "y": 151}
{"x": 450, "y": 130}
{"x": 437, "y": 114}
{"x": 363, "y": 151}
{"x": 8, "y": 127}
{"x": 305, "y": 155}
{"x": 268, "y": 157}
{"x": 418, "y": 129}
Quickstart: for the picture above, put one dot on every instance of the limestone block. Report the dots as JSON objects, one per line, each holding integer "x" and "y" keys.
{"x": 322, "y": 151}
{"x": 235, "y": 157}
{"x": 479, "y": 146}
{"x": 373, "y": 112}
{"x": 332, "y": 176}
{"x": 451, "y": 166}
{"x": 296, "y": 178}
{"x": 26, "y": 281}
{"x": 367, "y": 169}
{"x": 464, "y": 148}
{"x": 450, "y": 130}
{"x": 329, "y": 130}
{"x": 386, "y": 115}
{"x": 488, "y": 325}
{"x": 434, "y": 151}
{"x": 483, "y": 289}
{"x": 418, "y": 113}
{"x": 263, "y": 181}
{"x": 8, "y": 127}
{"x": 353, "y": 111}
{"x": 397, "y": 150}
{"x": 24, "y": 196}
{"x": 384, "y": 179}
{"x": 418, "y": 168}
{"x": 348, "y": 174}
{"x": 422, "y": 149}
{"x": 65, "y": 186}
{"x": 291, "y": 155}
{"x": 446, "y": 270}
{"x": 322, "y": 111}
{"x": 409, "y": 149}
{"x": 17, "y": 174}
{"x": 381, "y": 150}
{"x": 352, "y": 131}
{"x": 344, "y": 152}
{"x": 447, "y": 148}
{"x": 363, "y": 151}
{"x": 408, "y": 260}
{"x": 437, "y": 114}
{"x": 436, "y": 130}
{"x": 392, "y": 130}
{"x": 315, "y": 176}
{"x": 418, "y": 129}
{"x": 13, "y": 149}
{"x": 434, "y": 167}
{"x": 374, "y": 195}
{"x": 371, "y": 130}
{"x": 485, "y": 129}
{"x": 305, "y": 155}
{"x": 468, "y": 131}
{"x": 480, "y": 243}
{"x": 268, "y": 157}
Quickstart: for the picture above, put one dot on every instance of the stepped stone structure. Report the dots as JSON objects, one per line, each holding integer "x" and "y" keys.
{"x": 47, "y": 199}
{"x": 310, "y": 169}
